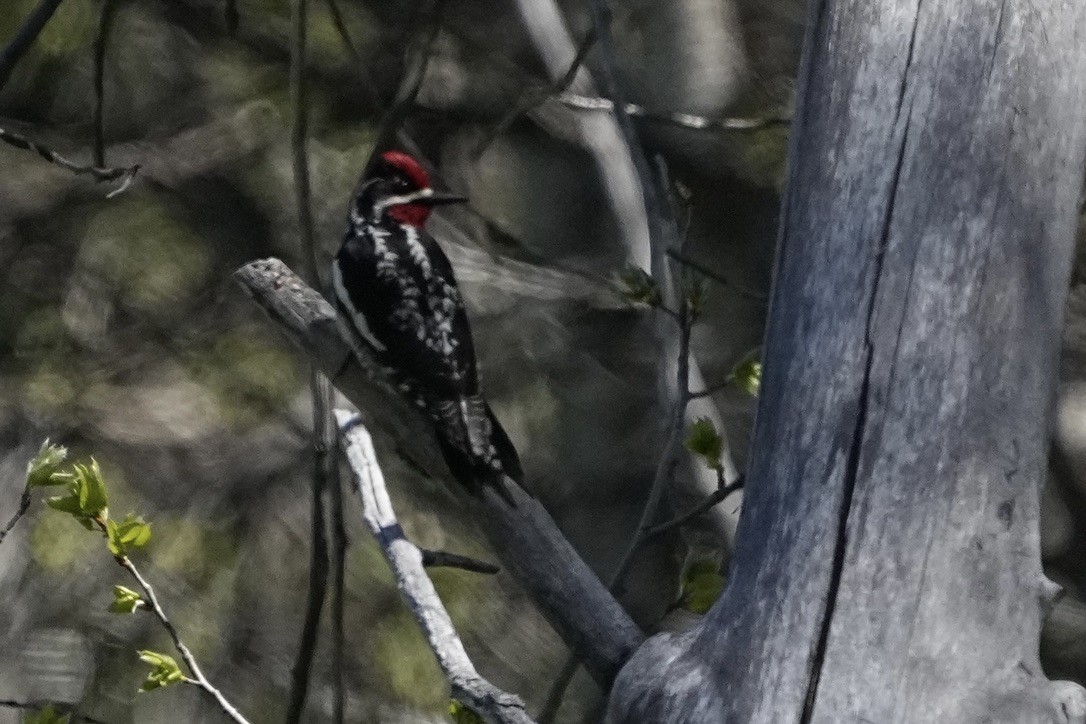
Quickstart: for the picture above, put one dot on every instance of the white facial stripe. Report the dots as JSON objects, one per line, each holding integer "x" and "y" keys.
{"x": 404, "y": 199}
{"x": 357, "y": 317}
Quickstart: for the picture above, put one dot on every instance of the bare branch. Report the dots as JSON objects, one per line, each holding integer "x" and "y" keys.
{"x": 444, "y": 559}
{"x": 716, "y": 497}
{"x": 318, "y": 575}
{"x": 557, "y": 692}
{"x": 319, "y": 387}
{"x": 156, "y": 608}
{"x": 598, "y": 134}
{"x": 532, "y": 98}
{"x": 685, "y": 120}
{"x": 25, "y": 36}
{"x": 665, "y": 468}
{"x": 341, "y": 28}
{"x": 338, "y": 560}
{"x": 230, "y": 15}
{"x": 524, "y": 537}
{"x": 663, "y": 233}
{"x": 24, "y": 505}
{"x": 99, "y": 173}
{"x": 105, "y": 23}
{"x": 409, "y": 88}
{"x": 12, "y": 704}
{"x": 406, "y": 562}
{"x": 715, "y": 276}
{"x": 708, "y": 391}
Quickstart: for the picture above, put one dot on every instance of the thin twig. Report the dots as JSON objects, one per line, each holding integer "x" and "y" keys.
{"x": 341, "y": 28}
{"x": 664, "y": 472}
{"x": 105, "y": 23}
{"x": 444, "y": 559}
{"x": 156, "y": 608}
{"x": 535, "y": 97}
{"x": 408, "y": 90}
{"x": 126, "y": 174}
{"x": 714, "y": 498}
{"x": 663, "y": 234}
{"x": 665, "y": 469}
{"x": 714, "y": 275}
{"x": 318, "y": 575}
{"x": 231, "y": 16}
{"x": 12, "y": 704}
{"x": 320, "y": 389}
{"x": 660, "y": 237}
{"x": 557, "y": 693}
{"x": 708, "y": 391}
{"x": 406, "y": 562}
{"x": 339, "y": 568}
{"x": 685, "y": 120}
{"x": 25, "y": 36}
{"x": 24, "y": 505}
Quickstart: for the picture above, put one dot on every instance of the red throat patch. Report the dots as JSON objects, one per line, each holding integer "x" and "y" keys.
{"x": 408, "y": 166}
{"x": 413, "y": 214}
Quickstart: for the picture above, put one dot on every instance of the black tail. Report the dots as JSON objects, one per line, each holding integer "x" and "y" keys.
{"x": 476, "y": 447}
{"x": 507, "y": 453}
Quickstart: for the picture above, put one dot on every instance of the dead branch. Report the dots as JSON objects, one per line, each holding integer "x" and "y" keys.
{"x": 323, "y": 435}
{"x": 524, "y": 537}
{"x": 683, "y": 120}
{"x": 444, "y": 559}
{"x": 406, "y": 561}
{"x": 125, "y": 174}
{"x": 24, "y": 37}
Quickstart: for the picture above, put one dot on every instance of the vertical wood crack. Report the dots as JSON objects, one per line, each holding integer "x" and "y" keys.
{"x": 852, "y": 465}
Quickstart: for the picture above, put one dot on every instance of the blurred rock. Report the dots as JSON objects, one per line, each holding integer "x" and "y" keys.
{"x": 1057, "y": 523}
{"x": 1071, "y": 430}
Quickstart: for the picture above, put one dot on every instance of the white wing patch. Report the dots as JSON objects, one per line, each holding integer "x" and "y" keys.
{"x": 359, "y": 319}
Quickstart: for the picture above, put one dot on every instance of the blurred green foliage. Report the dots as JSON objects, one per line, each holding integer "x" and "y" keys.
{"x": 47, "y": 715}
{"x": 702, "y": 584}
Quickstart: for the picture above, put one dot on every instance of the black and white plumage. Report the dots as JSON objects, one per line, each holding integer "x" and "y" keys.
{"x": 397, "y": 297}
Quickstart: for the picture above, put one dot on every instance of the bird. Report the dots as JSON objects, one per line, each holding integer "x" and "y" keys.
{"x": 397, "y": 300}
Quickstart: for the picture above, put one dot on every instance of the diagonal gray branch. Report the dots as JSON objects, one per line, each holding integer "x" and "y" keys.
{"x": 406, "y": 561}
{"x": 524, "y": 537}
{"x": 24, "y": 37}
{"x": 597, "y": 133}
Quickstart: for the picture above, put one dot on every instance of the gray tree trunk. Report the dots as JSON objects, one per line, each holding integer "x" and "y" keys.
{"x": 887, "y": 566}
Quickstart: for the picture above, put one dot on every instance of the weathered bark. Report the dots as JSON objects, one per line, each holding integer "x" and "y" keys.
{"x": 887, "y": 567}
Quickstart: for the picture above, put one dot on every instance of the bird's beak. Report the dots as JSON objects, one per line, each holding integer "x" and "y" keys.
{"x": 438, "y": 199}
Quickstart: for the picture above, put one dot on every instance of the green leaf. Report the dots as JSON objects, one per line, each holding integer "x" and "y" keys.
{"x": 748, "y": 376}
{"x": 132, "y": 533}
{"x": 702, "y": 584}
{"x": 65, "y": 504}
{"x": 461, "y": 714}
{"x": 702, "y": 439}
{"x": 46, "y": 716}
{"x": 638, "y": 287}
{"x": 125, "y": 600}
{"x": 164, "y": 671}
{"x": 44, "y": 469}
{"x": 92, "y": 489}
